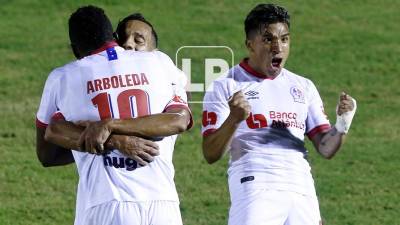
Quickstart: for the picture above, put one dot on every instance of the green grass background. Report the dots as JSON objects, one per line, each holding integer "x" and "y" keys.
{"x": 340, "y": 45}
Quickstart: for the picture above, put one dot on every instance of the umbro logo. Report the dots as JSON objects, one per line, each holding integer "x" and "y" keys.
{"x": 251, "y": 93}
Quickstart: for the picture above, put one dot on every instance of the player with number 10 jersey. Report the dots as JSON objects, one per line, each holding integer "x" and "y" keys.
{"x": 119, "y": 84}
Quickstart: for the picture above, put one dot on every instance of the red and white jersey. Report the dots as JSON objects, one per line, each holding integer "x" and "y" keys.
{"x": 268, "y": 147}
{"x": 115, "y": 83}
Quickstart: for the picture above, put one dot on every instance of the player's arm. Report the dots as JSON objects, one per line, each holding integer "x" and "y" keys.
{"x": 89, "y": 139}
{"x": 67, "y": 134}
{"x": 50, "y": 154}
{"x": 216, "y": 143}
{"x": 328, "y": 143}
{"x": 173, "y": 121}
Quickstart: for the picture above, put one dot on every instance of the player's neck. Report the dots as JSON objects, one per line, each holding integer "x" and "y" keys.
{"x": 107, "y": 45}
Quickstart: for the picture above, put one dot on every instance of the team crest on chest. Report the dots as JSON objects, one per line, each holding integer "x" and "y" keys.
{"x": 298, "y": 94}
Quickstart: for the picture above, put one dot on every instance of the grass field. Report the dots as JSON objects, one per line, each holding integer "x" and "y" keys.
{"x": 340, "y": 45}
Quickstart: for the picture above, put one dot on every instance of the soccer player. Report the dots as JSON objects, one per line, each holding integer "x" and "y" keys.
{"x": 126, "y": 94}
{"x": 260, "y": 113}
{"x": 136, "y": 33}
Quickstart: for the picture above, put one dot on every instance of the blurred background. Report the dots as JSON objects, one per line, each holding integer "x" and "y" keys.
{"x": 341, "y": 45}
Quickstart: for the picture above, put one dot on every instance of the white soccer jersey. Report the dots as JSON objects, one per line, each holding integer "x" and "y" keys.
{"x": 267, "y": 150}
{"x": 117, "y": 84}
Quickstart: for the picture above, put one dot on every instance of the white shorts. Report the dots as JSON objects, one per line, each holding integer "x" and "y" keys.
{"x": 133, "y": 213}
{"x": 273, "y": 207}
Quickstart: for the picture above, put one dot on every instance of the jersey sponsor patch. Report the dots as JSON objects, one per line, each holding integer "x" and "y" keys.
{"x": 111, "y": 54}
{"x": 120, "y": 162}
{"x": 209, "y": 118}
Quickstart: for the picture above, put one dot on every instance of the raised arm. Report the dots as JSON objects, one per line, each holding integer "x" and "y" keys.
{"x": 216, "y": 143}
{"x": 328, "y": 143}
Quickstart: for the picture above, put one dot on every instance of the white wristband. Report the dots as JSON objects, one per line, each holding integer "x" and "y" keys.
{"x": 343, "y": 121}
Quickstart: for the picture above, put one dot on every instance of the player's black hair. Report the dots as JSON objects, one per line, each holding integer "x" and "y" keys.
{"x": 89, "y": 29}
{"x": 120, "y": 34}
{"x": 265, "y": 14}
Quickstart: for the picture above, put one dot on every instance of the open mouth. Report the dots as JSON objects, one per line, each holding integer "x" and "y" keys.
{"x": 276, "y": 62}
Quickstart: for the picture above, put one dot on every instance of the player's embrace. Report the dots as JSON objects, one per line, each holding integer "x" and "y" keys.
{"x": 260, "y": 113}
{"x": 104, "y": 97}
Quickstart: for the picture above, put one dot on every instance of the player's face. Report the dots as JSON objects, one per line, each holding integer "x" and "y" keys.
{"x": 269, "y": 48}
{"x": 138, "y": 36}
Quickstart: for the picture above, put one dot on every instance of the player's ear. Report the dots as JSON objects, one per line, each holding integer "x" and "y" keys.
{"x": 75, "y": 51}
{"x": 249, "y": 45}
{"x": 115, "y": 35}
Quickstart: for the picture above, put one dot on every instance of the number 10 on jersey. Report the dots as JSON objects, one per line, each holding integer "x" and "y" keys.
{"x": 126, "y": 102}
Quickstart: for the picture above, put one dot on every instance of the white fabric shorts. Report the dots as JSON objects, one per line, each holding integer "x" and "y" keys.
{"x": 133, "y": 213}
{"x": 273, "y": 207}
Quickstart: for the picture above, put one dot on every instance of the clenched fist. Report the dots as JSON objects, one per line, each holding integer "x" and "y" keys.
{"x": 345, "y": 104}
{"x": 94, "y": 136}
{"x": 239, "y": 106}
{"x": 345, "y": 111}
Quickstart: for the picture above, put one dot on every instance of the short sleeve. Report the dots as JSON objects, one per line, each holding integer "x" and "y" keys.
{"x": 215, "y": 107}
{"x": 178, "y": 82}
{"x": 317, "y": 121}
{"x": 177, "y": 76}
{"x": 48, "y": 103}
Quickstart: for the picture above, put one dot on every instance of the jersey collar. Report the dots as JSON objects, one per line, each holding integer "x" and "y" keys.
{"x": 106, "y": 46}
{"x": 245, "y": 65}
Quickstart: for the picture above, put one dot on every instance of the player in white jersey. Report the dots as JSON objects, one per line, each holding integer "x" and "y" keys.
{"x": 260, "y": 113}
{"x": 134, "y": 32}
{"x": 113, "y": 87}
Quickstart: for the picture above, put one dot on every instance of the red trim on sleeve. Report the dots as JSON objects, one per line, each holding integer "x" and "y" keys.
{"x": 319, "y": 129}
{"x": 245, "y": 65}
{"x": 58, "y": 116}
{"x": 208, "y": 132}
{"x": 107, "y": 45}
{"x": 181, "y": 106}
{"x": 40, "y": 124}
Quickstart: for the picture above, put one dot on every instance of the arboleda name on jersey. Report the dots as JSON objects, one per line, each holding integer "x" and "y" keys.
{"x": 117, "y": 81}
{"x": 120, "y": 162}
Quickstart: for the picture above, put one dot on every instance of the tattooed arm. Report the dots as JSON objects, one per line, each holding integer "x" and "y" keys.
{"x": 328, "y": 143}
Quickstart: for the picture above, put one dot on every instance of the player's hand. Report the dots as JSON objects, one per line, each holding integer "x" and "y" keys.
{"x": 94, "y": 136}
{"x": 239, "y": 106}
{"x": 346, "y": 104}
{"x": 138, "y": 149}
{"x": 345, "y": 111}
